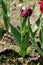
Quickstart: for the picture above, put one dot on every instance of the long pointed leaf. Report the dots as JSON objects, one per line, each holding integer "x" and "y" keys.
{"x": 4, "y": 6}
{"x": 6, "y": 17}
{"x": 41, "y": 37}
{"x": 16, "y": 34}
{"x": 38, "y": 21}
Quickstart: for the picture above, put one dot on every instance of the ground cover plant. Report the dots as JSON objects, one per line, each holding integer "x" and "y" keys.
{"x": 24, "y": 33}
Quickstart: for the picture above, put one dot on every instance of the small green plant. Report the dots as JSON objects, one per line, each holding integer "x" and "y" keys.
{"x": 24, "y": 32}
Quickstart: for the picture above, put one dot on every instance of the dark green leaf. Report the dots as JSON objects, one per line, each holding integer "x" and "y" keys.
{"x": 21, "y": 1}
{"x": 4, "y": 7}
{"x": 16, "y": 34}
{"x": 24, "y": 22}
{"x": 1, "y": 31}
{"x": 41, "y": 36}
{"x": 18, "y": 27}
{"x": 38, "y": 21}
{"x": 6, "y": 22}
{"x": 30, "y": 30}
{"x": 24, "y": 44}
{"x": 36, "y": 27}
{"x": 39, "y": 50}
{"x": 6, "y": 17}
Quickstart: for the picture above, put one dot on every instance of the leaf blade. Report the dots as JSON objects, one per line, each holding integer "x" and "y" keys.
{"x": 16, "y": 34}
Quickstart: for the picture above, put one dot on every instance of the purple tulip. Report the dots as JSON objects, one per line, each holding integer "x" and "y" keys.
{"x": 26, "y": 12}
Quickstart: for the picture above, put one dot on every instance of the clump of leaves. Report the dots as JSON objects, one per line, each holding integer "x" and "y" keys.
{"x": 21, "y": 33}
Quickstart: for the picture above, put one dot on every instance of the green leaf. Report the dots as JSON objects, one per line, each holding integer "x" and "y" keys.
{"x": 34, "y": 6}
{"x": 21, "y": 1}
{"x": 22, "y": 53}
{"x": 24, "y": 43}
{"x": 24, "y": 46}
{"x": 1, "y": 31}
{"x": 18, "y": 27}
{"x": 24, "y": 27}
{"x": 39, "y": 50}
{"x": 24, "y": 22}
{"x": 16, "y": 34}
{"x": 35, "y": 29}
{"x": 6, "y": 22}
{"x": 41, "y": 36}
{"x": 6, "y": 17}
{"x": 30, "y": 30}
{"x": 4, "y": 7}
{"x": 25, "y": 30}
{"x": 38, "y": 21}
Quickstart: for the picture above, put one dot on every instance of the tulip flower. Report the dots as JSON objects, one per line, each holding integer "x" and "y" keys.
{"x": 41, "y": 5}
{"x": 26, "y": 12}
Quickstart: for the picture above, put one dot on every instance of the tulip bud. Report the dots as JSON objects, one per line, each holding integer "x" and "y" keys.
{"x": 25, "y": 12}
